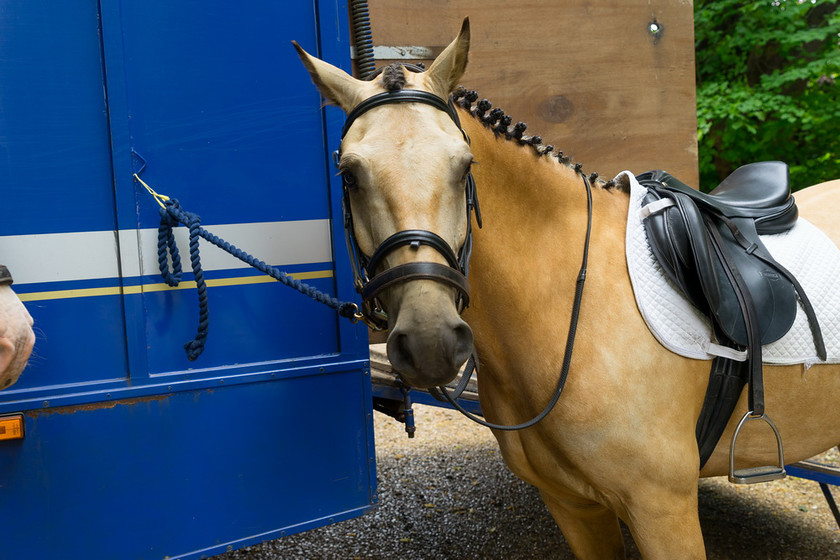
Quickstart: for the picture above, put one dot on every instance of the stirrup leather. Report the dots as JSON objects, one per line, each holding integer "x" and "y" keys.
{"x": 754, "y": 475}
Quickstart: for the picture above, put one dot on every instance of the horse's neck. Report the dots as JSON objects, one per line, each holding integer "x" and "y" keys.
{"x": 535, "y": 207}
{"x": 527, "y": 256}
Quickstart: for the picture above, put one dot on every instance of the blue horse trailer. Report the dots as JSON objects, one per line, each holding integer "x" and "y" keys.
{"x": 129, "y": 449}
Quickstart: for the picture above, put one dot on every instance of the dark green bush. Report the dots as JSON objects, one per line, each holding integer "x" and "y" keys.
{"x": 768, "y": 87}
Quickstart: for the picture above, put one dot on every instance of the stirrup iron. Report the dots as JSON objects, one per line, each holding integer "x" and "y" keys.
{"x": 754, "y": 475}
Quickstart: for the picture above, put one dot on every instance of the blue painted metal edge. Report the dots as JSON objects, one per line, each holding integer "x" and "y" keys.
{"x": 818, "y": 476}
{"x": 422, "y": 397}
{"x": 46, "y": 397}
{"x": 334, "y": 47}
{"x": 334, "y": 44}
{"x": 272, "y": 535}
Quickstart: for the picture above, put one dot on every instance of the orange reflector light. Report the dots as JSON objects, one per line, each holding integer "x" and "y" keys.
{"x": 11, "y": 427}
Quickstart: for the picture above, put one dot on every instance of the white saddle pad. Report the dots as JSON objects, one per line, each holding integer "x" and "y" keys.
{"x": 804, "y": 250}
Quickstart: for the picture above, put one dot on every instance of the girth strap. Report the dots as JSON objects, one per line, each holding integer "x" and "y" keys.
{"x": 726, "y": 381}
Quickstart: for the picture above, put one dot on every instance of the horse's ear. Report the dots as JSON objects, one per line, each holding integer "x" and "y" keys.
{"x": 335, "y": 84}
{"x": 446, "y": 71}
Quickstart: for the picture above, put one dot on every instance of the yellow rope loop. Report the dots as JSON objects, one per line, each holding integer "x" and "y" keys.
{"x": 159, "y": 198}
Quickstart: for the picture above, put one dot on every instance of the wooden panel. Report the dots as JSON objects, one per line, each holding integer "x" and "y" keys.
{"x": 586, "y": 75}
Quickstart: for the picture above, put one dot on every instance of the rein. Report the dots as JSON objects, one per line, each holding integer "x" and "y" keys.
{"x": 570, "y": 342}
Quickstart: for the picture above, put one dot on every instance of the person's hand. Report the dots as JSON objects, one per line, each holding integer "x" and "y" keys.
{"x": 16, "y": 336}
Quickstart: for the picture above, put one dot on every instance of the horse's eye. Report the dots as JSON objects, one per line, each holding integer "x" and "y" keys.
{"x": 349, "y": 179}
{"x": 467, "y": 171}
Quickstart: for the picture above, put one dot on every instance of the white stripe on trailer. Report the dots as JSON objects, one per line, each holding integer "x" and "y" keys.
{"x": 92, "y": 255}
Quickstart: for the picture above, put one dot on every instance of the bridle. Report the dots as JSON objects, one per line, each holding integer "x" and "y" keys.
{"x": 368, "y": 283}
{"x": 453, "y": 274}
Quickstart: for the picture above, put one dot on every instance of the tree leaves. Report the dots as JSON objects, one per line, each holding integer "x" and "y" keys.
{"x": 768, "y": 87}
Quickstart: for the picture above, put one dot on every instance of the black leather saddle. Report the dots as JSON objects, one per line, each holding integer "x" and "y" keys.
{"x": 709, "y": 246}
{"x": 703, "y": 240}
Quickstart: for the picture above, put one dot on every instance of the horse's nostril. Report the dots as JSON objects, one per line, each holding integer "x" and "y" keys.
{"x": 399, "y": 351}
{"x": 463, "y": 343}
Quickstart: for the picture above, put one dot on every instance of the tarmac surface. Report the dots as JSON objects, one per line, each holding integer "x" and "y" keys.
{"x": 447, "y": 495}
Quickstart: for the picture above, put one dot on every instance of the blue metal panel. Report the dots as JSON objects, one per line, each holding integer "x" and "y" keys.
{"x": 55, "y": 174}
{"x": 164, "y": 476}
{"x": 55, "y": 154}
{"x": 226, "y": 119}
{"x": 219, "y": 110}
{"x": 249, "y": 324}
{"x": 134, "y": 451}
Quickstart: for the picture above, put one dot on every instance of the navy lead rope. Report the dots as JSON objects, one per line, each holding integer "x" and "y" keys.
{"x": 171, "y": 214}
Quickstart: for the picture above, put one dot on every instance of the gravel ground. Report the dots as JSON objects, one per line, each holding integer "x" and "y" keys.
{"x": 447, "y": 495}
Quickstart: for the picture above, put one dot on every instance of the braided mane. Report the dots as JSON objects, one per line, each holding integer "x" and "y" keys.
{"x": 501, "y": 125}
{"x": 393, "y": 79}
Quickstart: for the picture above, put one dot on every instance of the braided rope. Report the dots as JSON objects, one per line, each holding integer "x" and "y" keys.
{"x": 171, "y": 215}
{"x": 167, "y": 247}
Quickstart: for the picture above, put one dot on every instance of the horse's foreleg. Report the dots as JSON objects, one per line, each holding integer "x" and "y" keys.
{"x": 664, "y": 523}
{"x": 591, "y": 529}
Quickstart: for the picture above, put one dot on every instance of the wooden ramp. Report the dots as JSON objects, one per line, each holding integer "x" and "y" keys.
{"x": 387, "y": 385}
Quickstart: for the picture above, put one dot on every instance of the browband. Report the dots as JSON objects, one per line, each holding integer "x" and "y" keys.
{"x": 400, "y": 96}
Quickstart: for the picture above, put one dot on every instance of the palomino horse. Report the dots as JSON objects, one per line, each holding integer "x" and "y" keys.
{"x": 16, "y": 336}
{"x": 620, "y": 442}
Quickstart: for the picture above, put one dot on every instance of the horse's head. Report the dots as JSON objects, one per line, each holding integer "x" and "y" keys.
{"x": 406, "y": 164}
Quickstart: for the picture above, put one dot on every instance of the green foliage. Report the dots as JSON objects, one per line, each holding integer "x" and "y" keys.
{"x": 768, "y": 87}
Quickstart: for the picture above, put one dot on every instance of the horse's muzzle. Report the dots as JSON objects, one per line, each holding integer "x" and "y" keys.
{"x": 429, "y": 353}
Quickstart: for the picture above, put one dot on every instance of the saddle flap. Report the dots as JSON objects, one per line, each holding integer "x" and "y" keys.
{"x": 704, "y": 266}
{"x": 669, "y": 242}
{"x": 773, "y": 296}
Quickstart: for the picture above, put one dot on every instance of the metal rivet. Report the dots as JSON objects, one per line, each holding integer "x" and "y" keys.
{"x": 656, "y": 29}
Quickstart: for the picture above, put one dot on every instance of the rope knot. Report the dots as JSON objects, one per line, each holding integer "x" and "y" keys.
{"x": 167, "y": 248}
